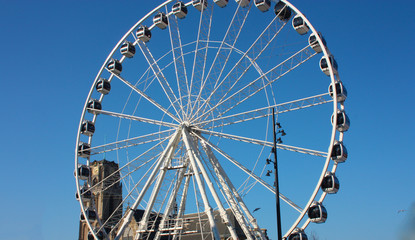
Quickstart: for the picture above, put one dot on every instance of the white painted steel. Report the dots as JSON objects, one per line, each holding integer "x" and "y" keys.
{"x": 222, "y": 211}
{"x": 251, "y": 174}
{"x": 229, "y": 39}
{"x": 126, "y": 220}
{"x": 196, "y": 113}
{"x": 208, "y": 208}
{"x": 179, "y": 64}
{"x": 265, "y": 143}
{"x": 163, "y": 169}
{"x": 148, "y": 98}
{"x": 256, "y": 49}
{"x": 233, "y": 196}
{"x": 265, "y": 111}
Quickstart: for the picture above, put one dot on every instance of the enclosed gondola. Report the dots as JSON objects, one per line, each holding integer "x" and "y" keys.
{"x": 127, "y": 49}
{"x": 85, "y": 193}
{"x": 282, "y": 11}
{"x": 242, "y": 3}
{"x": 160, "y": 20}
{"x": 143, "y": 34}
{"x": 330, "y": 183}
{"x": 84, "y": 150}
{"x": 92, "y": 105}
{"x": 103, "y": 86}
{"x": 314, "y": 44}
{"x": 343, "y": 121}
{"x": 114, "y": 66}
{"x": 300, "y": 25}
{"x": 339, "y": 152}
{"x": 88, "y": 128}
{"x": 298, "y": 234}
{"x": 179, "y": 10}
{"x": 263, "y": 5}
{"x": 90, "y": 214}
{"x": 221, "y": 3}
{"x": 200, "y": 4}
{"x": 324, "y": 66}
{"x": 98, "y": 234}
{"x": 83, "y": 172}
{"x": 341, "y": 91}
{"x": 317, "y": 213}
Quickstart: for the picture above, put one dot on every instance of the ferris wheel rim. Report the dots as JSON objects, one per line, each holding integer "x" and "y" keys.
{"x": 334, "y": 78}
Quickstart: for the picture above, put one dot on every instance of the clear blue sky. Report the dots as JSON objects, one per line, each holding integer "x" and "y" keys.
{"x": 51, "y": 51}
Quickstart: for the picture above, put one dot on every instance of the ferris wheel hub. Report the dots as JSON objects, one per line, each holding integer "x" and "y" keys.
{"x": 185, "y": 124}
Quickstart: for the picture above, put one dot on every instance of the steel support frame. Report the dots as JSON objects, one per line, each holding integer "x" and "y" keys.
{"x": 182, "y": 205}
{"x": 233, "y": 197}
{"x": 195, "y": 162}
{"x": 172, "y": 198}
{"x": 156, "y": 189}
{"x": 173, "y": 141}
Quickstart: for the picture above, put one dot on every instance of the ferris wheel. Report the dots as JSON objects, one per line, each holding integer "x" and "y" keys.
{"x": 175, "y": 136}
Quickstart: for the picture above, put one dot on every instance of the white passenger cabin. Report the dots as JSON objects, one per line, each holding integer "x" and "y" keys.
{"x": 179, "y": 9}
{"x": 263, "y": 5}
{"x": 300, "y": 25}
{"x": 160, "y": 20}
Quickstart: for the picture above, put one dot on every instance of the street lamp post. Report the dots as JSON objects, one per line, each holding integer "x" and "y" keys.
{"x": 276, "y": 184}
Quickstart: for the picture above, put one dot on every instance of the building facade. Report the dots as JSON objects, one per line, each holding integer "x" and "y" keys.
{"x": 107, "y": 195}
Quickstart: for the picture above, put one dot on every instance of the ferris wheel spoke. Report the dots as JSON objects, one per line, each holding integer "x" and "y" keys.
{"x": 222, "y": 88}
{"x": 266, "y": 111}
{"x": 251, "y": 174}
{"x": 134, "y": 188}
{"x": 302, "y": 150}
{"x": 150, "y": 77}
{"x": 160, "y": 77}
{"x": 127, "y": 173}
{"x": 199, "y": 60}
{"x": 152, "y": 101}
{"x": 135, "y": 118}
{"x": 130, "y": 142}
{"x": 258, "y": 84}
{"x": 113, "y": 179}
{"x": 178, "y": 59}
{"x": 265, "y": 143}
{"x": 127, "y": 197}
{"x": 223, "y": 53}
{"x": 136, "y": 163}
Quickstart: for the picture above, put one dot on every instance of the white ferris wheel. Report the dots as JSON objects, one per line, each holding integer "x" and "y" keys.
{"x": 182, "y": 111}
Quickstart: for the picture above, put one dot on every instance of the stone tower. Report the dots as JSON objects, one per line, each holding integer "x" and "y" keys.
{"x": 107, "y": 195}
